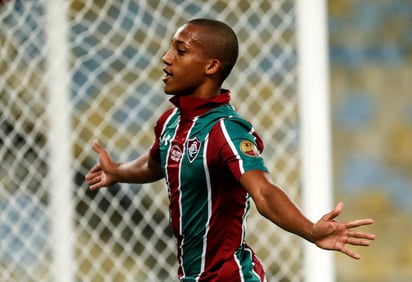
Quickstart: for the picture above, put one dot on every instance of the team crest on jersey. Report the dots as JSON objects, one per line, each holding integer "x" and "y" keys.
{"x": 193, "y": 148}
{"x": 249, "y": 148}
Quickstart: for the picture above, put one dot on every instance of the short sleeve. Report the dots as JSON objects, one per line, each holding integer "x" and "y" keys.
{"x": 158, "y": 129}
{"x": 239, "y": 147}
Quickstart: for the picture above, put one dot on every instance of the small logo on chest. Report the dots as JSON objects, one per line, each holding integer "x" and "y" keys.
{"x": 193, "y": 148}
{"x": 175, "y": 153}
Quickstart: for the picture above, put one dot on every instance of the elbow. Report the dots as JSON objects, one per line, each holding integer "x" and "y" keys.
{"x": 262, "y": 204}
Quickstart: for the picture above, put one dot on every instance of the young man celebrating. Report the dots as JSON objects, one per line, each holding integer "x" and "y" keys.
{"x": 210, "y": 158}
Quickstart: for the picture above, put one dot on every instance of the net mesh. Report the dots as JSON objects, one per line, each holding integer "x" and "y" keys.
{"x": 123, "y": 233}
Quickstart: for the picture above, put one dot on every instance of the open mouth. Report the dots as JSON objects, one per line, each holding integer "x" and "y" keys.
{"x": 166, "y": 75}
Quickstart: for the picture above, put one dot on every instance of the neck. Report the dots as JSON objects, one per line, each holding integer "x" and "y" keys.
{"x": 191, "y": 106}
{"x": 207, "y": 91}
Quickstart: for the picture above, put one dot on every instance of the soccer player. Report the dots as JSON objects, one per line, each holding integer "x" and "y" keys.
{"x": 211, "y": 160}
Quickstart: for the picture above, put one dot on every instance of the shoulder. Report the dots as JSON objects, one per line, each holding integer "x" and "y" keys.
{"x": 166, "y": 115}
{"x": 163, "y": 119}
{"x": 235, "y": 125}
{"x": 237, "y": 128}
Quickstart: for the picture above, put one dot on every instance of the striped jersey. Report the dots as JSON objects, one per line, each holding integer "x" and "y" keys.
{"x": 204, "y": 146}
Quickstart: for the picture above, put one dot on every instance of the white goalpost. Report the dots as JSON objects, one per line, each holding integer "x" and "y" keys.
{"x": 72, "y": 71}
{"x": 59, "y": 142}
{"x": 313, "y": 77}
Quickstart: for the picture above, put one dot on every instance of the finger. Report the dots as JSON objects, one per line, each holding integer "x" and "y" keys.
{"x": 358, "y": 242}
{"x": 92, "y": 174}
{"x": 93, "y": 179}
{"x": 335, "y": 213}
{"x": 104, "y": 157}
{"x": 359, "y": 222}
{"x": 96, "y": 168}
{"x": 95, "y": 186}
{"x": 96, "y": 146}
{"x": 350, "y": 253}
{"x": 362, "y": 235}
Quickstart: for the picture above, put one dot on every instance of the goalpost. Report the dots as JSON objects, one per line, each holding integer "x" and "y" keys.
{"x": 110, "y": 53}
{"x": 313, "y": 74}
{"x": 59, "y": 143}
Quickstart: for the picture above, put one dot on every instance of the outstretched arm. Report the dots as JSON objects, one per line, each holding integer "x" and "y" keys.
{"x": 107, "y": 172}
{"x": 273, "y": 203}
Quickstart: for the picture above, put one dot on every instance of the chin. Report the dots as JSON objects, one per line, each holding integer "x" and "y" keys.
{"x": 175, "y": 92}
{"x": 167, "y": 91}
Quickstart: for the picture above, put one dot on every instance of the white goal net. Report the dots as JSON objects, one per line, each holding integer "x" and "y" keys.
{"x": 115, "y": 94}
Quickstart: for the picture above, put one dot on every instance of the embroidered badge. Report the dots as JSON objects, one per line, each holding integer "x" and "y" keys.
{"x": 249, "y": 148}
{"x": 193, "y": 148}
{"x": 175, "y": 153}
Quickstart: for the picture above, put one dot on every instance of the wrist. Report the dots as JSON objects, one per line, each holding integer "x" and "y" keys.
{"x": 116, "y": 172}
{"x": 310, "y": 234}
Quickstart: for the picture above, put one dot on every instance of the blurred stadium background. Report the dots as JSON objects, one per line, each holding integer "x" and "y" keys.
{"x": 122, "y": 234}
{"x": 371, "y": 68}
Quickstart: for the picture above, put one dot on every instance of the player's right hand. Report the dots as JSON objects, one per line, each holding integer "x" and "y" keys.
{"x": 102, "y": 174}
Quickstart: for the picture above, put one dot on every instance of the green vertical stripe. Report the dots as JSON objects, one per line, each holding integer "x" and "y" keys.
{"x": 244, "y": 257}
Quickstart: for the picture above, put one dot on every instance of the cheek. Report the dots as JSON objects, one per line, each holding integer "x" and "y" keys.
{"x": 195, "y": 70}
{"x": 192, "y": 78}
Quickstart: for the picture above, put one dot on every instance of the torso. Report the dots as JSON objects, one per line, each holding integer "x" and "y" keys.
{"x": 208, "y": 206}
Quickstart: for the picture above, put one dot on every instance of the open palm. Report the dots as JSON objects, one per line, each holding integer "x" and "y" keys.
{"x": 332, "y": 235}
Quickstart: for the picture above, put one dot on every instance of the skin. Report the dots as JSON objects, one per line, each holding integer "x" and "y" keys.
{"x": 190, "y": 72}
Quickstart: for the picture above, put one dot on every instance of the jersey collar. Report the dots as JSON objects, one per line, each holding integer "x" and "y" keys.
{"x": 191, "y": 107}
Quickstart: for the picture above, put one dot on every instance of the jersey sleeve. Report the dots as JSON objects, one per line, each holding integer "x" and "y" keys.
{"x": 158, "y": 129}
{"x": 238, "y": 146}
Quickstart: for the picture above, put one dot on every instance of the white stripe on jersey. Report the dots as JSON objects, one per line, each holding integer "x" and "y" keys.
{"x": 168, "y": 151}
{"x": 242, "y": 279}
{"x": 180, "y": 194}
{"x": 209, "y": 205}
{"x": 232, "y": 146}
{"x": 167, "y": 182}
{"x": 167, "y": 120}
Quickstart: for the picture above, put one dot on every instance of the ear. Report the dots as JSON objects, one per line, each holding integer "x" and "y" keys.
{"x": 213, "y": 67}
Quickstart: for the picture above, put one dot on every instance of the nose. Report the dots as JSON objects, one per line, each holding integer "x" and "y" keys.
{"x": 167, "y": 58}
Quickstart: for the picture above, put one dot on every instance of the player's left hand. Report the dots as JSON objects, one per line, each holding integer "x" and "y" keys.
{"x": 329, "y": 234}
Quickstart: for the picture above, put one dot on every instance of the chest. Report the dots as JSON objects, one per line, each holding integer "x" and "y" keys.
{"x": 183, "y": 147}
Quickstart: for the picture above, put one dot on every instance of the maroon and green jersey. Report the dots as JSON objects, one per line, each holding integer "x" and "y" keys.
{"x": 204, "y": 146}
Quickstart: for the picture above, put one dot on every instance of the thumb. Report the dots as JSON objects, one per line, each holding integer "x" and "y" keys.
{"x": 104, "y": 158}
{"x": 96, "y": 146}
{"x": 335, "y": 213}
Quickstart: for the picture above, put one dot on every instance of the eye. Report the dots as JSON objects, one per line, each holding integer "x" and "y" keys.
{"x": 181, "y": 52}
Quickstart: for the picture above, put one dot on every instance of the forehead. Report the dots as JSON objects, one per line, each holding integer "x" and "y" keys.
{"x": 190, "y": 35}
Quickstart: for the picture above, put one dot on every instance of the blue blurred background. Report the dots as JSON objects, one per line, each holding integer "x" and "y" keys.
{"x": 370, "y": 45}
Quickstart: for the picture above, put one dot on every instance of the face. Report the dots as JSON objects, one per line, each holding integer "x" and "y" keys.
{"x": 186, "y": 62}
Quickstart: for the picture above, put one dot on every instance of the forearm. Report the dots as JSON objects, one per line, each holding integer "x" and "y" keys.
{"x": 276, "y": 206}
{"x": 273, "y": 203}
{"x": 140, "y": 170}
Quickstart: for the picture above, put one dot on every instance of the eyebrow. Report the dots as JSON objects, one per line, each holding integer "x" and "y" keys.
{"x": 183, "y": 42}
{"x": 178, "y": 41}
